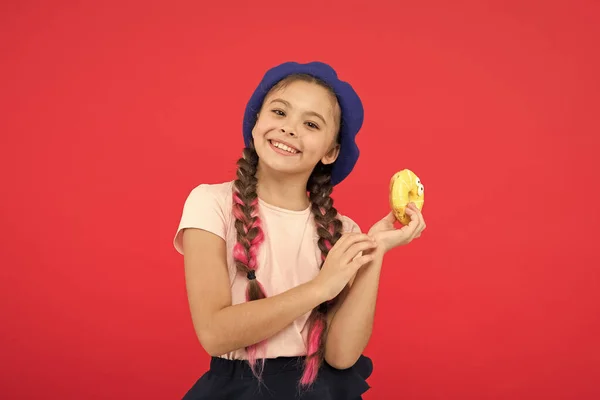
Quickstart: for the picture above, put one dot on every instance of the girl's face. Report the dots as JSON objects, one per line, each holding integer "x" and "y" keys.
{"x": 296, "y": 128}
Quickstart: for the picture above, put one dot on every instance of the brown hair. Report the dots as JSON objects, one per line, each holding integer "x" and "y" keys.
{"x": 250, "y": 236}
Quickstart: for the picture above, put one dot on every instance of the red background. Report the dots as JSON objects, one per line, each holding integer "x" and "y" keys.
{"x": 113, "y": 111}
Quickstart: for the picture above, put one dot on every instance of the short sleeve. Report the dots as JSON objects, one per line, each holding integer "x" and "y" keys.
{"x": 349, "y": 225}
{"x": 203, "y": 209}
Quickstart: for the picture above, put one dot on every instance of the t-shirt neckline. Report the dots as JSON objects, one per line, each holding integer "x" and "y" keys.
{"x": 284, "y": 210}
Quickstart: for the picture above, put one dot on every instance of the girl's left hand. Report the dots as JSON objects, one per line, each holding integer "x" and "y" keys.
{"x": 388, "y": 237}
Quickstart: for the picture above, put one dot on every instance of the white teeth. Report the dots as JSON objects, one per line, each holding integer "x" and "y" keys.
{"x": 284, "y": 147}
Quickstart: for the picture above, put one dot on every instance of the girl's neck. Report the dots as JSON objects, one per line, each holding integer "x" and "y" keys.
{"x": 284, "y": 191}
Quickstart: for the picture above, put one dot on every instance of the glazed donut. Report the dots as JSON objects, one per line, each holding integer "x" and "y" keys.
{"x": 405, "y": 187}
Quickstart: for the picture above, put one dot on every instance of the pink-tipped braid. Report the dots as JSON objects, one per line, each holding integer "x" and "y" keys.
{"x": 312, "y": 362}
{"x": 249, "y": 258}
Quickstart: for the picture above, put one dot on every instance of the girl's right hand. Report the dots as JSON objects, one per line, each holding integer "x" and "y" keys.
{"x": 342, "y": 263}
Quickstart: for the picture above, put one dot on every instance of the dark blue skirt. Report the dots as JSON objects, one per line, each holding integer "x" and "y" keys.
{"x": 233, "y": 380}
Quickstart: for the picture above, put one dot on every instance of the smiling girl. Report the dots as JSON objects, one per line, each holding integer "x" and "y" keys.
{"x": 282, "y": 288}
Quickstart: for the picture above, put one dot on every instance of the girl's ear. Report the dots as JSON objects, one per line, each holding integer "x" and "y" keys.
{"x": 331, "y": 155}
{"x": 257, "y": 115}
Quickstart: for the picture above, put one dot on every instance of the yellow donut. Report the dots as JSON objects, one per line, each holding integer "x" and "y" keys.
{"x": 405, "y": 187}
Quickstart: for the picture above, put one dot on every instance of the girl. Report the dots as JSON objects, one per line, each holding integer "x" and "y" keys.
{"x": 281, "y": 287}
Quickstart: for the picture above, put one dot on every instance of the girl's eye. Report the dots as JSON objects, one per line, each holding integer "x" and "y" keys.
{"x": 279, "y": 112}
{"x": 312, "y": 125}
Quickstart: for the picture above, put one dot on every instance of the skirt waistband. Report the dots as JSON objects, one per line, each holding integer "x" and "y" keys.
{"x": 272, "y": 366}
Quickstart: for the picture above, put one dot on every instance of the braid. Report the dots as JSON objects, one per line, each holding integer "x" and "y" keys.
{"x": 250, "y": 237}
{"x": 329, "y": 229}
{"x": 249, "y": 234}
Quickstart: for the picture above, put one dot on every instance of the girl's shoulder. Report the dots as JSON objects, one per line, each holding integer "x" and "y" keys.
{"x": 208, "y": 207}
{"x": 216, "y": 191}
{"x": 212, "y": 198}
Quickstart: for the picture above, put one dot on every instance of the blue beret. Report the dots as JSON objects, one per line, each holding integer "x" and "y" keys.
{"x": 352, "y": 110}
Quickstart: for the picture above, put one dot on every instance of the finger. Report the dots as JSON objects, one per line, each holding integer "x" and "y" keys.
{"x": 350, "y": 240}
{"x": 414, "y": 224}
{"x": 390, "y": 217}
{"x": 414, "y": 217}
{"x": 343, "y": 239}
{"x": 413, "y": 207}
{"x": 419, "y": 216}
{"x": 360, "y": 261}
{"x": 415, "y": 221}
{"x": 355, "y": 250}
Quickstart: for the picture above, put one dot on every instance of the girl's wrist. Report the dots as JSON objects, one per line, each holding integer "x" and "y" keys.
{"x": 317, "y": 290}
{"x": 378, "y": 252}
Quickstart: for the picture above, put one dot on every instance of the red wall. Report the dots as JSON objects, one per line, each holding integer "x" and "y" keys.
{"x": 113, "y": 111}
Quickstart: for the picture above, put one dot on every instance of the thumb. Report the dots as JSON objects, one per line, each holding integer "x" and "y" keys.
{"x": 390, "y": 217}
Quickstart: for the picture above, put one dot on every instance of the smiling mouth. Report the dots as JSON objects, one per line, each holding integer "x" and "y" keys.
{"x": 284, "y": 147}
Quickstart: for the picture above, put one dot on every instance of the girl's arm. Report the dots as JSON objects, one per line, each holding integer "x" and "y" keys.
{"x": 221, "y": 327}
{"x": 351, "y": 322}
